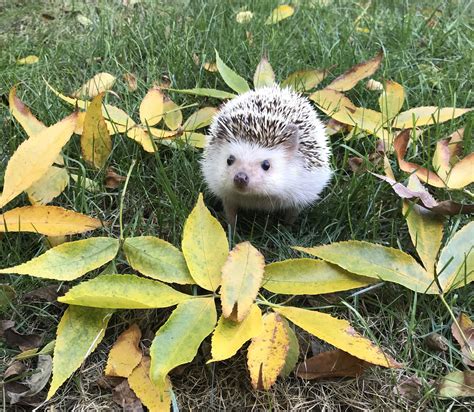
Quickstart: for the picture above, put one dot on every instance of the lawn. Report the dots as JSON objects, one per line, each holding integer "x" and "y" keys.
{"x": 427, "y": 48}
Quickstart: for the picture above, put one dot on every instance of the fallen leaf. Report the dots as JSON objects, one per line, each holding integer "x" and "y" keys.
{"x": 467, "y": 328}
{"x": 151, "y": 107}
{"x": 23, "y": 115}
{"x": 410, "y": 389}
{"x": 210, "y": 67}
{"x": 7, "y": 294}
{"x": 83, "y": 20}
{"x": 125, "y": 355}
{"x": 457, "y": 385}
{"x": 280, "y": 13}
{"x": 199, "y": 91}
{"x": 391, "y": 99}
{"x": 331, "y": 364}
{"x": 355, "y": 163}
{"x": 199, "y": 119}
{"x": 293, "y": 351}
{"x": 173, "y": 116}
{"x": 5, "y": 325}
{"x": 15, "y": 369}
{"x": 31, "y": 353}
{"x": 28, "y": 60}
{"x": 264, "y": 75}
{"x": 100, "y": 83}
{"x": 423, "y": 116}
{"x": 334, "y": 127}
{"x": 231, "y": 78}
{"x": 305, "y": 80}
{"x": 332, "y": 101}
{"x": 243, "y": 16}
{"x": 24, "y": 342}
{"x": 47, "y": 293}
{"x": 131, "y": 81}
{"x": 373, "y": 85}
{"x": 124, "y": 397}
{"x": 436, "y": 342}
{"x": 113, "y": 180}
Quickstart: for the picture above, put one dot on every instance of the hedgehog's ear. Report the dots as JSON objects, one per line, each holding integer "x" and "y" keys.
{"x": 291, "y": 137}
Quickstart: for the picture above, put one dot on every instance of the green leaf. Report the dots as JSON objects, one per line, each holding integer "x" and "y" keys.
{"x": 264, "y": 75}
{"x": 178, "y": 340}
{"x": 157, "y": 259}
{"x": 456, "y": 261}
{"x": 426, "y": 232}
{"x": 123, "y": 292}
{"x": 457, "y": 384}
{"x": 79, "y": 332}
{"x": 232, "y": 79}
{"x": 293, "y": 352}
{"x": 199, "y": 91}
{"x": 229, "y": 336}
{"x": 205, "y": 246}
{"x": 338, "y": 333}
{"x": 69, "y": 260}
{"x": 309, "y": 277}
{"x": 376, "y": 261}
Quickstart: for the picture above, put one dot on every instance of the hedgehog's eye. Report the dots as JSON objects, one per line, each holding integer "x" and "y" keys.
{"x": 230, "y": 160}
{"x": 265, "y": 165}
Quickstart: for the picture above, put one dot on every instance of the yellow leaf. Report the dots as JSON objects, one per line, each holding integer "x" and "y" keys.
{"x": 47, "y": 220}
{"x": 229, "y": 336}
{"x": 23, "y": 115}
{"x": 79, "y": 332}
{"x": 204, "y": 246}
{"x": 34, "y": 156}
{"x": 356, "y": 73}
{"x": 199, "y": 119}
{"x": 173, "y": 117}
{"x": 374, "y": 85}
{"x": 280, "y": 13}
{"x": 146, "y": 390}
{"x": 391, "y": 99}
{"x": 66, "y": 261}
{"x": 441, "y": 159}
{"x": 119, "y": 120}
{"x": 423, "y": 116}
{"x": 242, "y": 275}
{"x": 178, "y": 340}
{"x": 462, "y": 173}
{"x": 141, "y": 136}
{"x": 264, "y": 75}
{"x": 96, "y": 143}
{"x": 210, "y": 67}
{"x": 266, "y": 354}
{"x": 338, "y": 333}
{"x": 131, "y": 81}
{"x": 100, "y": 83}
{"x": 243, "y": 16}
{"x": 151, "y": 107}
{"x": 194, "y": 139}
{"x": 28, "y": 60}
{"x": 310, "y": 277}
{"x": 331, "y": 101}
{"x": 49, "y": 186}
{"x": 218, "y": 94}
{"x": 304, "y": 80}
{"x": 125, "y": 355}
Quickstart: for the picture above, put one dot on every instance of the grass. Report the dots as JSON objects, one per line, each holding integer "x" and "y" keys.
{"x": 156, "y": 39}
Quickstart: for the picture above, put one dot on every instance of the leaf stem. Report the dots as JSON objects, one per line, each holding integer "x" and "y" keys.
{"x": 461, "y": 332}
{"x": 124, "y": 191}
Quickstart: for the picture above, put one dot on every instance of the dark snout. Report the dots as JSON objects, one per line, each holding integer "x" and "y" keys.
{"x": 241, "y": 180}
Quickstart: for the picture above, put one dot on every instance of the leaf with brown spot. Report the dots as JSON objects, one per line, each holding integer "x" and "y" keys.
{"x": 356, "y": 73}
{"x": 131, "y": 81}
{"x": 436, "y": 342}
{"x": 125, "y": 355}
{"x": 467, "y": 347}
{"x": 15, "y": 369}
{"x": 457, "y": 385}
{"x": 23, "y": 115}
{"x": 331, "y": 364}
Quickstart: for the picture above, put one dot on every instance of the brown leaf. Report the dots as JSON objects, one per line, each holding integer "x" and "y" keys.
{"x": 457, "y": 384}
{"x": 24, "y": 342}
{"x": 48, "y": 293}
{"x": 4, "y": 326}
{"x": 131, "y": 81}
{"x": 113, "y": 180}
{"x": 409, "y": 388}
{"x": 335, "y": 363}
{"x": 109, "y": 382}
{"x": 356, "y": 163}
{"x": 436, "y": 342}
{"x": 15, "y": 369}
{"x": 467, "y": 348}
{"x": 123, "y": 396}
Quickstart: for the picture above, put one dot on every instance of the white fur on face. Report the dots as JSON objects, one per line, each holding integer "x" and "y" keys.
{"x": 285, "y": 184}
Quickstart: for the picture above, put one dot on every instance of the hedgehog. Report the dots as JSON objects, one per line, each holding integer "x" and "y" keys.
{"x": 266, "y": 150}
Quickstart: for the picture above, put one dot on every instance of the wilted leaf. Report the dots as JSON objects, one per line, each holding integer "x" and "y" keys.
{"x": 34, "y": 156}
{"x": 334, "y": 127}
{"x": 410, "y": 389}
{"x": 46, "y": 293}
{"x": 293, "y": 351}
{"x": 304, "y": 80}
{"x": 331, "y": 364}
{"x": 79, "y": 332}
{"x": 131, "y": 81}
{"x": 23, "y": 115}
{"x": 280, "y": 13}
{"x": 204, "y": 246}
{"x": 232, "y": 79}
{"x": 47, "y": 220}
{"x": 199, "y": 119}
{"x": 15, "y": 369}
{"x": 264, "y": 75}
{"x": 426, "y": 232}
{"x": 338, "y": 333}
{"x": 125, "y": 355}
{"x": 151, "y": 107}
{"x": 124, "y": 397}
{"x": 123, "y": 292}
{"x": 96, "y": 143}
{"x": 229, "y": 336}
{"x": 176, "y": 342}
{"x": 100, "y": 83}
{"x": 242, "y": 275}
{"x": 465, "y": 330}
{"x": 391, "y": 99}
{"x": 157, "y": 259}
{"x": 243, "y": 16}
{"x": 356, "y": 73}
{"x": 22, "y": 341}
{"x": 374, "y": 85}
{"x": 436, "y": 342}
{"x": 32, "y": 59}
{"x": 113, "y": 180}
{"x": 69, "y": 260}
{"x": 267, "y": 352}
{"x": 309, "y": 277}
{"x": 218, "y": 94}
{"x": 140, "y": 382}
{"x": 457, "y": 385}
{"x": 423, "y": 116}
{"x": 456, "y": 262}
{"x": 331, "y": 101}
{"x": 173, "y": 117}
{"x": 376, "y": 261}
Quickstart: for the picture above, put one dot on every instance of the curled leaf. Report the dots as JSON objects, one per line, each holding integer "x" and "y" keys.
{"x": 100, "y": 83}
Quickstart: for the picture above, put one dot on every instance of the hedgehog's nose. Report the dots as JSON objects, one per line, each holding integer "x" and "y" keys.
{"x": 241, "y": 180}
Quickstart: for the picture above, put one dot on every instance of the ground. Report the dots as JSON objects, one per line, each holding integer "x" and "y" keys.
{"x": 428, "y": 49}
